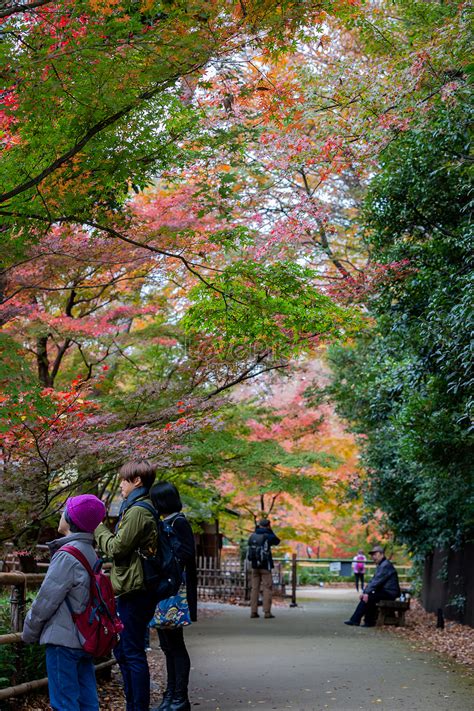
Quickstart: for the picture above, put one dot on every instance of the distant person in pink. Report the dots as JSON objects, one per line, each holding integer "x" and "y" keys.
{"x": 358, "y": 566}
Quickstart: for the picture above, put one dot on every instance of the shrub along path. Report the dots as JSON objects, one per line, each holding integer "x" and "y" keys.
{"x": 306, "y": 659}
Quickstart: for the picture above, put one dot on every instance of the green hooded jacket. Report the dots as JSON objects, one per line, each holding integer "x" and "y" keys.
{"x": 136, "y": 530}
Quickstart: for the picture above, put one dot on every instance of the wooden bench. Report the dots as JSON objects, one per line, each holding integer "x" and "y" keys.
{"x": 392, "y": 612}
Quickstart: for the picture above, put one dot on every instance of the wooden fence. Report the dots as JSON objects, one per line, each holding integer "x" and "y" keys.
{"x": 229, "y": 580}
{"x": 225, "y": 582}
{"x": 448, "y": 583}
{"x": 311, "y": 570}
{"x": 36, "y": 562}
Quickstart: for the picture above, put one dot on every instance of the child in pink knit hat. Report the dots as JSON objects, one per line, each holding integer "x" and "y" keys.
{"x": 66, "y": 589}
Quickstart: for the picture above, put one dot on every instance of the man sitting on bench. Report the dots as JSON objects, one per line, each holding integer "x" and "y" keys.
{"x": 383, "y": 586}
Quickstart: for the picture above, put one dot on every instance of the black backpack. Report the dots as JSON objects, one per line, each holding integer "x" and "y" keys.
{"x": 163, "y": 572}
{"x": 258, "y": 550}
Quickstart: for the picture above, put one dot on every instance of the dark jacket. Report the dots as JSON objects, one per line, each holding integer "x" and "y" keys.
{"x": 385, "y": 580}
{"x": 272, "y": 539}
{"x": 186, "y": 553}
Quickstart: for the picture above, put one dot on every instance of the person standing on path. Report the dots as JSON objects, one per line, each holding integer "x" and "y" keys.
{"x": 383, "y": 586}
{"x": 167, "y": 502}
{"x": 66, "y": 589}
{"x": 259, "y": 554}
{"x": 358, "y": 567}
{"x": 135, "y": 532}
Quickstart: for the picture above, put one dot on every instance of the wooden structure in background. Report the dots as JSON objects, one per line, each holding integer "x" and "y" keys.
{"x": 209, "y": 541}
{"x": 448, "y": 583}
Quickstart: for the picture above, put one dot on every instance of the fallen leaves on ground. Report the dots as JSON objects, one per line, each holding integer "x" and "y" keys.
{"x": 455, "y": 641}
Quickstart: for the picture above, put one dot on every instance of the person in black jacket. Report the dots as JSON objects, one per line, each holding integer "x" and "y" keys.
{"x": 166, "y": 500}
{"x": 383, "y": 586}
{"x": 260, "y": 557}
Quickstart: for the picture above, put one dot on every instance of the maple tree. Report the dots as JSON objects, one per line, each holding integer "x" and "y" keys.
{"x": 80, "y": 312}
{"x": 309, "y": 127}
{"x": 70, "y": 293}
{"x": 94, "y": 97}
{"x": 293, "y": 173}
{"x": 182, "y": 206}
{"x": 280, "y": 451}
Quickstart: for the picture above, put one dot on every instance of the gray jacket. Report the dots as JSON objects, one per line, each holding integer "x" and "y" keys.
{"x": 49, "y": 620}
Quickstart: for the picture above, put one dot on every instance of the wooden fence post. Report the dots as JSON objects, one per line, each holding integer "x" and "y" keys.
{"x": 246, "y": 581}
{"x": 17, "y": 617}
{"x": 17, "y": 607}
{"x": 294, "y": 574}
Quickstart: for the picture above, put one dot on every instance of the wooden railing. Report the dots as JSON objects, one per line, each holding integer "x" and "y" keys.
{"x": 323, "y": 566}
{"x": 19, "y": 583}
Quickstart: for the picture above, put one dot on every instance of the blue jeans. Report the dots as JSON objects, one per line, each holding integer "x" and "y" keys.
{"x": 71, "y": 679}
{"x": 136, "y": 610}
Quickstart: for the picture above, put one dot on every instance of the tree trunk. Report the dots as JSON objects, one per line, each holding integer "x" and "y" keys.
{"x": 43, "y": 362}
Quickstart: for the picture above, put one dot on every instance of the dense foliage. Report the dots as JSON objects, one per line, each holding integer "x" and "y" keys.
{"x": 406, "y": 382}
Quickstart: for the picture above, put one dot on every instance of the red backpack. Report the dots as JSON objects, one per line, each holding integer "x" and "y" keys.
{"x": 99, "y": 624}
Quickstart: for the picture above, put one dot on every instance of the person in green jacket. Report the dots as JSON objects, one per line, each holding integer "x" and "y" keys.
{"x": 136, "y": 533}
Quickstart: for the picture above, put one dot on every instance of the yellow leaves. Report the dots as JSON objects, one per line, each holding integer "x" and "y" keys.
{"x": 147, "y": 5}
{"x": 105, "y": 7}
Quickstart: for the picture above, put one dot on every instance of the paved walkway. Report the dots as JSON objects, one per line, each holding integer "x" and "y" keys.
{"x": 308, "y": 660}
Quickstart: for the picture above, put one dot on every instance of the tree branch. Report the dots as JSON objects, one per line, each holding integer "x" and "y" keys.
{"x": 18, "y": 8}
{"x": 90, "y": 134}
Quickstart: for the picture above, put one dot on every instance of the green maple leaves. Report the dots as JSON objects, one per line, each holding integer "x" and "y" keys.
{"x": 266, "y": 306}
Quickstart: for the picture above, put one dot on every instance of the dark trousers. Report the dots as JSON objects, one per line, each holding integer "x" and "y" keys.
{"x": 369, "y": 609}
{"x": 136, "y": 610}
{"x": 359, "y": 578}
{"x": 178, "y": 664}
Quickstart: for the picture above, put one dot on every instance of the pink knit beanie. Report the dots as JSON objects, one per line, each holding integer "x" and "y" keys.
{"x": 85, "y": 511}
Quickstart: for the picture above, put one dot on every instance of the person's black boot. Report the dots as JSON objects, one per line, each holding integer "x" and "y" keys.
{"x": 180, "y": 702}
{"x": 167, "y": 699}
